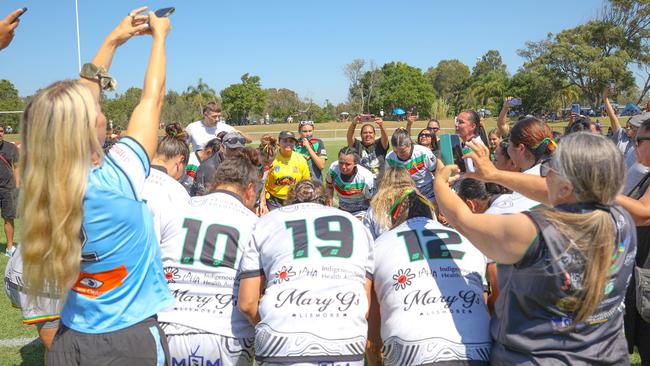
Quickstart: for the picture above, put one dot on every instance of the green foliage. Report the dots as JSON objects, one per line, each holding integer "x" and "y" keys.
{"x": 241, "y": 100}
{"x": 282, "y": 103}
{"x": 10, "y": 101}
{"x": 403, "y": 86}
{"x": 119, "y": 108}
{"x": 449, "y": 80}
{"x": 491, "y": 61}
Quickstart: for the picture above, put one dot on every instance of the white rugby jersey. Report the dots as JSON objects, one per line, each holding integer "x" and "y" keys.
{"x": 420, "y": 165}
{"x": 163, "y": 194}
{"x": 316, "y": 260}
{"x": 429, "y": 283}
{"x": 355, "y": 194}
{"x": 201, "y": 264}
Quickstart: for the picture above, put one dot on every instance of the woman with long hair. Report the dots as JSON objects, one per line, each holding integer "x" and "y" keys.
{"x": 564, "y": 269}
{"x": 392, "y": 182}
{"x": 90, "y": 236}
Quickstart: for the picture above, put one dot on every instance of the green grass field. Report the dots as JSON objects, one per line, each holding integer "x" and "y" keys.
{"x": 32, "y": 354}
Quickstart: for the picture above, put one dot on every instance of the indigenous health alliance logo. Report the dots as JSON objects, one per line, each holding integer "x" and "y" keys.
{"x": 402, "y": 279}
{"x": 284, "y": 274}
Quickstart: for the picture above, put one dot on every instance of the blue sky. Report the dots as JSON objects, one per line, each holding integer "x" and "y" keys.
{"x": 300, "y": 45}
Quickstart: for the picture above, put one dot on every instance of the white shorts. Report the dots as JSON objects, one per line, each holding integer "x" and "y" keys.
{"x": 208, "y": 349}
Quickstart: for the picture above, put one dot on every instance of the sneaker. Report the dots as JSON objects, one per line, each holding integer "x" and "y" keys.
{"x": 10, "y": 252}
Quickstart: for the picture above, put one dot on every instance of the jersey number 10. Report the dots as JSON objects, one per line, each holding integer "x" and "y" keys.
{"x": 212, "y": 233}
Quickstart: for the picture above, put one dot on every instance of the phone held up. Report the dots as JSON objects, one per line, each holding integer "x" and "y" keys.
{"x": 514, "y": 102}
{"x": 366, "y": 117}
{"x": 24, "y": 10}
{"x": 611, "y": 86}
{"x": 164, "y": 12}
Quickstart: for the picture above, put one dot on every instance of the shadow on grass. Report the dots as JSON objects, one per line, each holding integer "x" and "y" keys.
{"x": 33, "y": 354}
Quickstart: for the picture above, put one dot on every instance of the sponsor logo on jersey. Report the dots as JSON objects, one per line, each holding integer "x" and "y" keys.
{"x": 285, "y": 181}
{"x": 96, "y": 284}
{"x": 402, "y": 279}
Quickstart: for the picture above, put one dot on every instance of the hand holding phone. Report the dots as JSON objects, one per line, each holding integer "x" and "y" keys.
{"x": 23, "y": 11}
{"x": 366, "y": 117}
{"x": 514, "y": 102}
{"x": 164, "y": 12}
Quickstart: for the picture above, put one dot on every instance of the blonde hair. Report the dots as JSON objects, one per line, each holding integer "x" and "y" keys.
{"x": 596, "y": 170}
{"x": 59, "y": 129}
{"x": 393, "y": 182}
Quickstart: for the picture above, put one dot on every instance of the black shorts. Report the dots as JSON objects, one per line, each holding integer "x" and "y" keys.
{"x": 8, "y": 203}
{"x": 141, "y": 344}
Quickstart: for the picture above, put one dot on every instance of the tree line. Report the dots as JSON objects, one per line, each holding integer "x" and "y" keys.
{"x": 572, "y": 66}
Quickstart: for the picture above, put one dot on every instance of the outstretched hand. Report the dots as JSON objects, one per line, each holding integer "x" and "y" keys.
{"x": 443, "y": 173}
{"x": 8, "y": 26}
{"x": 132, "y": 25}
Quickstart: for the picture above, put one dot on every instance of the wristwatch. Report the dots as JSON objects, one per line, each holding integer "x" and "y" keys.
{"x": 93, "y": 72}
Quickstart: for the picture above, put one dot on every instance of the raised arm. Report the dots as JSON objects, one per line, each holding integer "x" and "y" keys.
{"x": 130, "y": 26}
{"x": 144, "y": 121}
{"x": 8, "y": 26}
{"x": 531, "y": 186}
{"x": 410, "y": 118}
{"x": 504, "y": 238}
{"x": 613, "y": 120}
{"x": 384, "y": 135}
{"x": 351, "y": 128}
{"x": 502, "y": 121}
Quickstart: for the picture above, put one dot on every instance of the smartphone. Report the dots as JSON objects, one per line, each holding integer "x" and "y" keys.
{"x": 451, "y": 151}
{"x": 514, "y": 102}
{"x": 19, "y": 15}
{"x": 575, "y": 108}
{"x": 611, "y": 85}
{"x": 367, "y": 117}
{"x": 164, "y": 12}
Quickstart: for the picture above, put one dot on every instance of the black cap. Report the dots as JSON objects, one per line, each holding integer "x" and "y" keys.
{"x": 287, "y": 135}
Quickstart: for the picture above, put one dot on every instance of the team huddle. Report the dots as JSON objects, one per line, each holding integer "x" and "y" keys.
{"x": 144, "y": 252}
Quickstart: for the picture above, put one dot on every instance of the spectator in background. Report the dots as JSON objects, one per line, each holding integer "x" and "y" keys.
{"x": 200, "y": 132}
{"x": 371, "y": 151}
{"x": 494, "y": 139}
{"x": 288, "y": 168}
{"x": 231, "y": 143}
{"x": 8, "y": 27}
{"x": 434, "y": 126}
{"x": 427, "y": 139}
{"x": 624, "y": 140}
{"x": 9, "y": 184}
{"x": 312, "y": 149}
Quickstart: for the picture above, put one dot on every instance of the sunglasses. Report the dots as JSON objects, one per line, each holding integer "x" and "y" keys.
{"x": 545, "y": 168}
{"x": 306, "y": 123}
{"x": 425, "y": 135}
{"x": 433, "y": 128}
{"x": 638, "y": 139}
